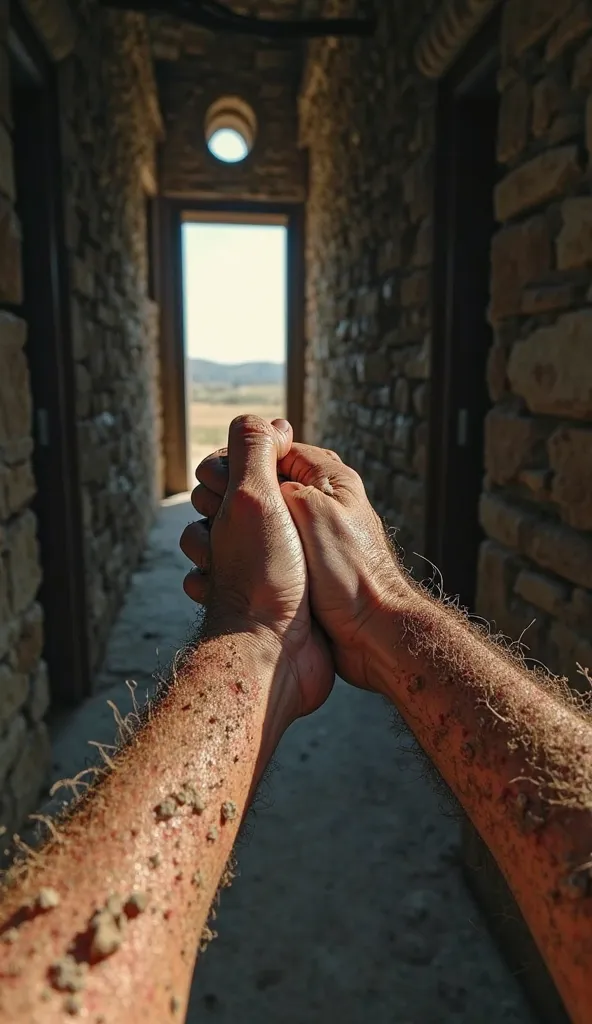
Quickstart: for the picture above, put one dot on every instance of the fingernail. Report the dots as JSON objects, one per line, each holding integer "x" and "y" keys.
{"x": 282, "y": 425}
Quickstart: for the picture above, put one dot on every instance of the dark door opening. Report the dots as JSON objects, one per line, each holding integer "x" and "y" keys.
{"x": 48, "y": 348}
{"x": 466, "y": 174}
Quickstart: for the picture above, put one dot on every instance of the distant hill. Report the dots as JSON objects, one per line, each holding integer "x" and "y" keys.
{"x": 236, "y": 374}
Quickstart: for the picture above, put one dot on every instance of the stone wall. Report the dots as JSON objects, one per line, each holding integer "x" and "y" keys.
{"x": 368, "y": 120}
{"x": 110, "y": 126}
{"x": 195, "y": 68}
{"x": 537, "y": 506}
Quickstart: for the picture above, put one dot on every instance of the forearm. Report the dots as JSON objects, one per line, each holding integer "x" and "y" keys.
{"x": 161, "y": 826}
{"x": 517, "y": 758}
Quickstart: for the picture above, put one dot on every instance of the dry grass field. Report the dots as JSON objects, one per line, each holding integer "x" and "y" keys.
{"x": 214, "y": 408}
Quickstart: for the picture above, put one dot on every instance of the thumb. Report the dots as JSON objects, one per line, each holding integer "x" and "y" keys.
{"x": 255, "y": 447}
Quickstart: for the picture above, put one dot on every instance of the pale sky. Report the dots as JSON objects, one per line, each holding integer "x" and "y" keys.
{"x": 235, "y": 292}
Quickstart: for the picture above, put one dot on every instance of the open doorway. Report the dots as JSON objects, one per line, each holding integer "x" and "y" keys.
{"x": 234, "y": 324}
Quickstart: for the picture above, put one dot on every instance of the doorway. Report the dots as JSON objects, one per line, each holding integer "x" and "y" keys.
{"x": 174, "y": 221}
{"x": 235, "y": 324}
{"x": 57, "y": 504}
{"x": 466, "y": 174}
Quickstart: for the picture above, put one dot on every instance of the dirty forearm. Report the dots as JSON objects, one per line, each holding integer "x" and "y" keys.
{"x": 519, "y": 759}
{"x": 146, "y": 850}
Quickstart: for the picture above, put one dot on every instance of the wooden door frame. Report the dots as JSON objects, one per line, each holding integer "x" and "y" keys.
{"x": 443, "y": 533}
{"x": 170, "y": 214}
{"x": 46, "y": 309}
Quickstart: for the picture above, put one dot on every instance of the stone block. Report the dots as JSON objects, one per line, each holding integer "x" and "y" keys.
{"x": 401, "y": 396}
{"x": 31, "y": 771}
{"x": 15, "y": 395}
{"x": 512, "y": 132}
{"x": 7, "y": 186}
{"x": 17, "y": 488}
{"x": 39, "y": 697}
{"x": 547, "y": 298}
{"x": 550, "y": 97}
{"x": 574, "y": 244}
{"x": 10, "y": 745}
{"x": 542, "y": 591}
{"x": 519, "y": 255}
{"x": 562, "y": 551}
{"x": 423, "y": 250}
{"x": 24, "y": 571}
{"x": 11, "y": 281}
{"x": 582, "y": 71}
{"x": 574, "y": 25}
{"x": 418, "y": 184}
{"x": 545, "y": 177}
{"x": 512, "y": 442}
{"x": 417, "y": 366}
{"x": 496, "y": 572}
{"x": 568, "y": 651}
{"x": 552, "y": 369}
{"x": 526, "y": 22}
{"x": 415, "y": 289}
{"x": 30, "y": 642}
{"x": 14, "y": 689}
{"x": 421, "y": 400}
{"x": 503, "y": 521}
{"x": 570, "y": 456}
{"x": 376, "y": 368}
{"x": 579, "y": 611}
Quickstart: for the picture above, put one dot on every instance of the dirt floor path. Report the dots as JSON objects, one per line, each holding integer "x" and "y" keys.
{"x": 349, "y": 907}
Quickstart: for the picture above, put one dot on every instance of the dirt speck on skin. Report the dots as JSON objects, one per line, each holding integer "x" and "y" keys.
{"x": 155, "y": 860}
{"x": 136, "y": 904}
{"x": 197, "y": 879}
{"x": 73, "y": 1005}
{"x": 106, "y": 934}
{"x": 228, "y": 811}
{"x": 10, "y": 937}
{"x": 45, "y": 995}
{"x": 212, "y": 834}
{"x": 207, "y": 936}
{"x": 166, "y": 809}
{"x": 175, "y": 1004}
{"x": 47, "y": 899}
{"x": 67, "y": 975}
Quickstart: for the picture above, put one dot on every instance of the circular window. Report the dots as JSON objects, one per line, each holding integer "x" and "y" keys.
{"x": 230, "y": 128}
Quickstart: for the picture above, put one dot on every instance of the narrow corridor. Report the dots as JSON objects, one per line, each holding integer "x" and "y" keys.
{"x": 349, "y": 905}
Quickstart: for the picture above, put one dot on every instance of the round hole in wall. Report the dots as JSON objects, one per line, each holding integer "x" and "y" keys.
{"x": 230, "y": 128}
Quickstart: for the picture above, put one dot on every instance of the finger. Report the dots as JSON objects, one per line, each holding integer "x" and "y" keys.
{"x": 205, "y": 501}
{"x": 195, "y": 543}
{"x": 213, "y": 472}
{"x": 255, "y": 447}
{"x": 323, "y": 469}
{"x": 196, "y": 586}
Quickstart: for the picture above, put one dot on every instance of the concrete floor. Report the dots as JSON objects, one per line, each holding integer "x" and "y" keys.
{"x": 349, "y": 906}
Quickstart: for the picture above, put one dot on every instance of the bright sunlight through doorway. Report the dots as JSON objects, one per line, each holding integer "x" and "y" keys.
{"x": 235, "y": 323}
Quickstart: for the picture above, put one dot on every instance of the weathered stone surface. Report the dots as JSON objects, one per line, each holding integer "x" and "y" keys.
{"x": 496, "y": 372}
{"x": 525, "y": 23}
{"x": 17, "y": 487}
{"x": 31, "y": 770}
{"x": 513, "y": 122}
{"x": 496, "y": 572}
{"x": 549, "y": 98}
{"x": 552, "y": 368}
{"x": 10, "y": 745}
{"x": 570, "y": 456}
{"x": 542, "y": 178}
{"x": 563, "y": 551}
{"x": 571, "y": 650}
{"x": 519, "y": 255}
{"x": 418, "y": 187}
{"x": 574, "y": 25}
{"x": 582, "y": 72}
{"x": 415, "y": 289}
{"x": 512, "y": 442}
{"x": 30, "y": 642}
{"x": 547, "y": 298}
{"x": 574, "y": 244}
{"x": 14, "y": 688}
{"x": 542, "y": 591}
{"x": 39, "y": 697}
{"x": 15, "y": 396}
{"x": 503, "y": 521}
{"x": 579, "y": 611}
{"x": 11, "y": 282}
{"x": 24, "y": 573}
{"x": 7, "y": 186}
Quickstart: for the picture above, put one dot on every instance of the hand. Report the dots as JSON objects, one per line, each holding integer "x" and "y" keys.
{"x": 353, "y": 572}
{"x": 252, "y": 574}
